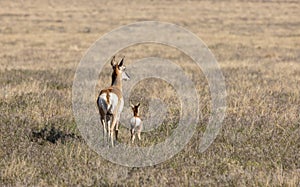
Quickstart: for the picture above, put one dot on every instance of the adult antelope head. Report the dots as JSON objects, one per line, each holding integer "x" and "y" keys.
{"x": 110, "y": 101}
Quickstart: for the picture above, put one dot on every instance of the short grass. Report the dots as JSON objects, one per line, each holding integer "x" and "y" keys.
{"x": 257, "y": 44}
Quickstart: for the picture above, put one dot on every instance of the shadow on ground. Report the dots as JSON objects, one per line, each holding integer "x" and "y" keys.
{"x": 52, "y": 135}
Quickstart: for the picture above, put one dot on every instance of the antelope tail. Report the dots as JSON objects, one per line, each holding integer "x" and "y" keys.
{"x": 107, "y": 97}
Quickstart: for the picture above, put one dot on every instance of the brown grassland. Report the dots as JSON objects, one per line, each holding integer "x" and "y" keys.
{"x": 256, "y": 42}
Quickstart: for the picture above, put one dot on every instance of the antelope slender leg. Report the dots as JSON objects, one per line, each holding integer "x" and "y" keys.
{"x": 109, "y": 129}
{"x": 132, "y": 135}
{"x": 117, "y": 129}
{"x": 139, "y": 135}
{"x": 113, "y": 124}
{"x": 108, "y": 122}
{"x": 112, "y": 138}
{"x": 104, "y": 127}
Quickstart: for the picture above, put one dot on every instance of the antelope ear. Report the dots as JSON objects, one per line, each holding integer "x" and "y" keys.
{"x": 121, "y": 62}
{"x": 131, "y": 105}
{"x": 112, "y": 62}
{"x": 138, "y": 104}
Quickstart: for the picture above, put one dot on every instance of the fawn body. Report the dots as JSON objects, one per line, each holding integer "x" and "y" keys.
{"x": 136, "y": 124}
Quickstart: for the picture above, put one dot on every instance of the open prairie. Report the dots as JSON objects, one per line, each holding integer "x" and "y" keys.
{"x": 256, "y": 43}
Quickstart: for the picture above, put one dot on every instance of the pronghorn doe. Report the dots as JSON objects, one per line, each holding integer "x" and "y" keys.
{"x": 136, "y": 125}
{"x": 110, "y": 101}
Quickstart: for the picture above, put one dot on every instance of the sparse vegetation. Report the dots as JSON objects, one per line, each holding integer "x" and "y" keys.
{"x": 257, "y": 44}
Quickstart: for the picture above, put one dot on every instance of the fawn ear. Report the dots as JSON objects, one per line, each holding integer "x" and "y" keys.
{"x": 138, "y": 104}
{"x": 121, "y": 62}
{"x": 131, "y": 105}
{"x": 112, "y": 62}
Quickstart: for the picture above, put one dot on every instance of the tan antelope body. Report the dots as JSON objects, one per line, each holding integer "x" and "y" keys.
{"x": 136, "y": 124}
{"x": 110, "y": 101}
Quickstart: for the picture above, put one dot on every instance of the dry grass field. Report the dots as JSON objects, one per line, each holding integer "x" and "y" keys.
{"x": 256, "y": 42}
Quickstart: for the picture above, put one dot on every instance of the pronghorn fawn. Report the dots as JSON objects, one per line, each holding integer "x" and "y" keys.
{"x": 136, "y": 125}
{"x": 110, "y": 101}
